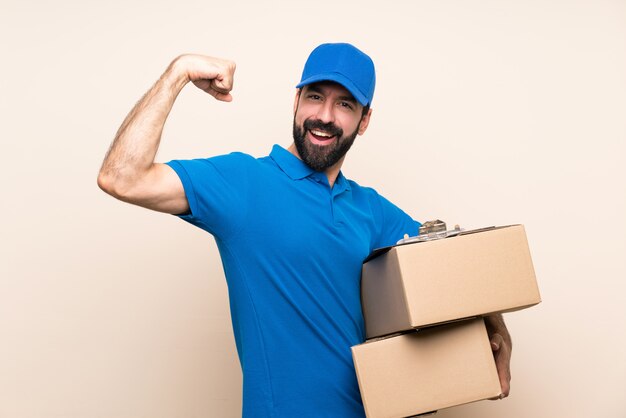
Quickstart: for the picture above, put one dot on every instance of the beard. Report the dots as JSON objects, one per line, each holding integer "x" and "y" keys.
{"x": 321, "y": 157}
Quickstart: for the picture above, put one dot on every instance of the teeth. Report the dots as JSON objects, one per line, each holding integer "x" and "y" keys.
{"x": 320, "y": 133}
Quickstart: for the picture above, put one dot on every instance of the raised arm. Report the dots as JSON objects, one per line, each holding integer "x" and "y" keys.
{"x": 129, "y": 172}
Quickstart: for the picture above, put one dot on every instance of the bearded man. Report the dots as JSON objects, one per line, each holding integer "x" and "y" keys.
{"x": 292, "y": 231}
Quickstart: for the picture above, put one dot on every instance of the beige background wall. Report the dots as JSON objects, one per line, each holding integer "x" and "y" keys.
{"x": 486, "y": 112}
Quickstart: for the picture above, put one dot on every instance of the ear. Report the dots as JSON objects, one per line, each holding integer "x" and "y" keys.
{"x": 365, "y": 121}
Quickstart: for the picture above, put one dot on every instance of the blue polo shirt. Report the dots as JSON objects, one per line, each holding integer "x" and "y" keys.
{"x": 292, "y": 249}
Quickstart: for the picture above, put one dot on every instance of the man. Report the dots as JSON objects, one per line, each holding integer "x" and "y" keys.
{"x": 292, "y": 231}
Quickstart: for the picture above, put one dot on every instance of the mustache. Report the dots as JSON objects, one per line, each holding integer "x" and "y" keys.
{"x": 329, "y": 127}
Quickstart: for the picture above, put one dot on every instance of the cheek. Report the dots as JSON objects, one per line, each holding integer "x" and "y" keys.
{"x": 349, "y": 125}
{"x": 300, "y": 116}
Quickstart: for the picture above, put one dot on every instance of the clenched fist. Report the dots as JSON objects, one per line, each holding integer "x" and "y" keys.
{"x": 213, "y": 75}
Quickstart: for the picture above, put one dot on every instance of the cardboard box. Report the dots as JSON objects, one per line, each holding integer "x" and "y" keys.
{"x": 426, "y": 370}
{"x": 433, "y": 282}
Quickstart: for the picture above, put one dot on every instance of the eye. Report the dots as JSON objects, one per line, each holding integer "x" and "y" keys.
{"x": 346, "y": 105}
{"x": 314, "y": 96}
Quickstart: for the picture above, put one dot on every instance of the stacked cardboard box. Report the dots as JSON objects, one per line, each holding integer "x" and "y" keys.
{"x": 439, "y": 288}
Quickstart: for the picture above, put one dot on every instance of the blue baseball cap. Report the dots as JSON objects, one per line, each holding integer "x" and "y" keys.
{"x": 344, "y": 64}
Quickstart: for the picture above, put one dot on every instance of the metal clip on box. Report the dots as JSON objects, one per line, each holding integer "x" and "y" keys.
{"x": 430, "y": 231}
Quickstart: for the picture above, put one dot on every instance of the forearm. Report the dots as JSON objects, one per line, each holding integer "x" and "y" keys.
{"x": 134, "y": 148}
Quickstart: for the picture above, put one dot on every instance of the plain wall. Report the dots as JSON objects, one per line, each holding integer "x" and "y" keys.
{"x": 485, "y": 113}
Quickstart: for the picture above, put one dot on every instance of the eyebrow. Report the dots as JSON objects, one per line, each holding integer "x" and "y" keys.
{"x": 316, "y": 89}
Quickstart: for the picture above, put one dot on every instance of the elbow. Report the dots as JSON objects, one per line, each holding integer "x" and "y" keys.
{"x": 111, "y": 185}
{"x": 122, "y": 187}
{"x": 104, "y": 182}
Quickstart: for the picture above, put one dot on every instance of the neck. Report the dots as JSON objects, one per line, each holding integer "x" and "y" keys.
{"x": 331, "y": 172}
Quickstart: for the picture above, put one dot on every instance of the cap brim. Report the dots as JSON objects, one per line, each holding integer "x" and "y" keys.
{"x": 337, "y": 78}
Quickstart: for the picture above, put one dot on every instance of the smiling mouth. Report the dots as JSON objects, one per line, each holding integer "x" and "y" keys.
{"x": 320, "y": 135}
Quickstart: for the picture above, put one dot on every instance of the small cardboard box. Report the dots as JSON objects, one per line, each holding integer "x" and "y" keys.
{"x": 425, "y": 283}
{"x": 426, "y": 370}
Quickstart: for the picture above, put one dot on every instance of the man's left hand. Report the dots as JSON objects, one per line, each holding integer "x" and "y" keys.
{"x": 501, "y": 346}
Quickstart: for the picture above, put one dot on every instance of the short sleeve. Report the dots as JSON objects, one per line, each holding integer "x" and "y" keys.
{"x": 394, "y": 223}
{"x": 216, "y": 190}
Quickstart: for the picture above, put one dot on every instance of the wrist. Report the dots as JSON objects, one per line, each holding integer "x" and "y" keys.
{"x": 176, "y": 74}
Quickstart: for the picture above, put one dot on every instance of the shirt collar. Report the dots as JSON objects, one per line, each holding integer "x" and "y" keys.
{"x": 290, "y": 164}
{"x": 341, "y": 184}
{"x": 296, "y": 169}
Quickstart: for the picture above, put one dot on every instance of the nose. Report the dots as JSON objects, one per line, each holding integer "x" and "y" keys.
{"x": 325, "y": 112}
